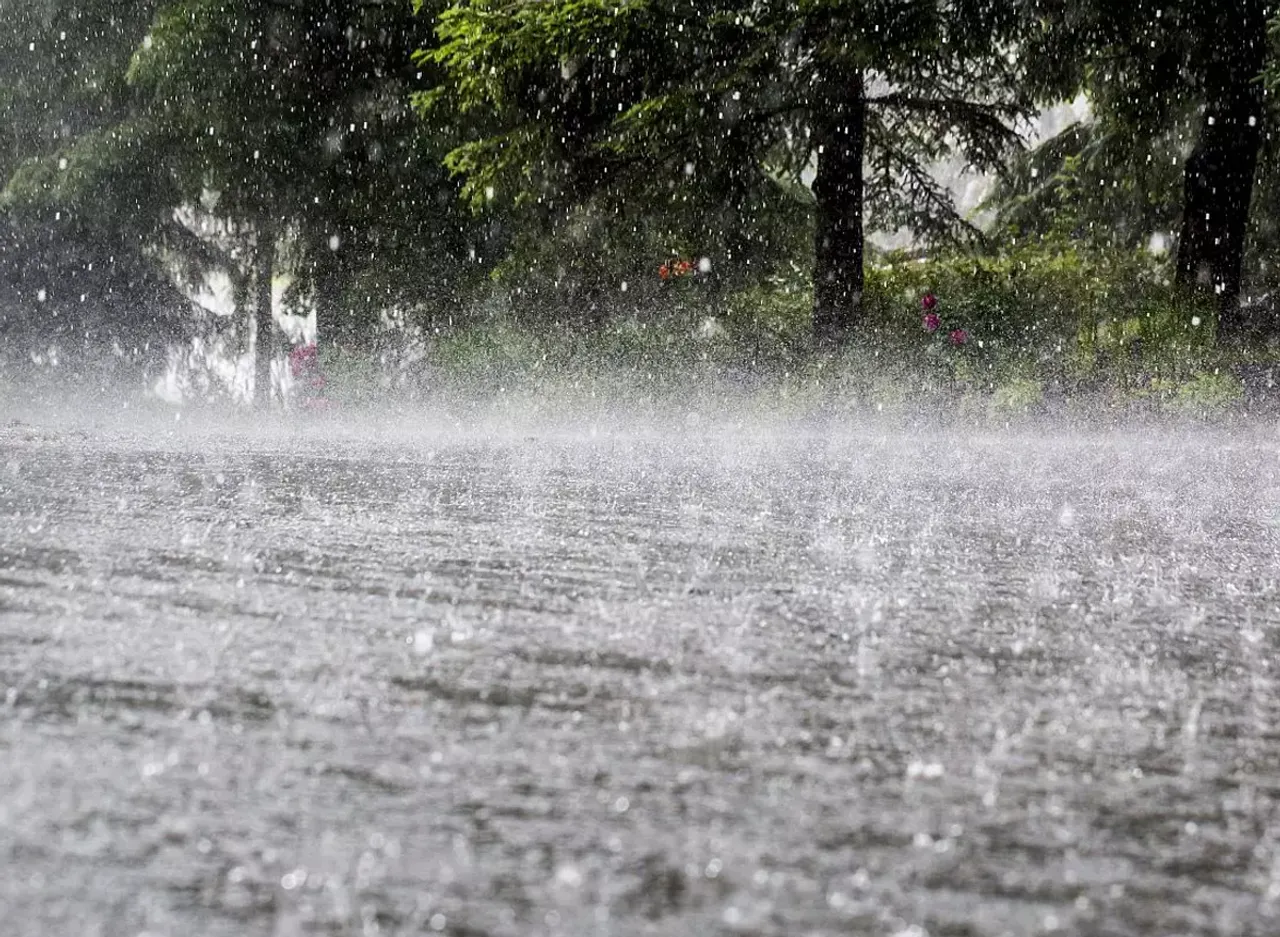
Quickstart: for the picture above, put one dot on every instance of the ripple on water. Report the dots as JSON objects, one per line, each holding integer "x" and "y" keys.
{"x": 856, "y": 684}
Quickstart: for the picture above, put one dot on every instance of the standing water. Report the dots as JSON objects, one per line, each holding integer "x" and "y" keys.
{"x": 766, "y": 682}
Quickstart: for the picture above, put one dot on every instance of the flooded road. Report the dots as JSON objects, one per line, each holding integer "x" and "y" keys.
{"x": 710, "y": 682}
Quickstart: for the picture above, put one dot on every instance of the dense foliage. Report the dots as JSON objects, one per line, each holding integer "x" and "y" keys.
{"x": 614, "y": 165}
{"x": 725, "y": 108}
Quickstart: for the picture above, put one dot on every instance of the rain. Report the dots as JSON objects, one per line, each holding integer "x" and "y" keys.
{"x": 638, "y": 468}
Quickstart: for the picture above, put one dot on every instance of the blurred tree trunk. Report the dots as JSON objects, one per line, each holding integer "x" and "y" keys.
{"x": 1219, "y": 173}
{"x": 264, "y": 340}
{"x": 333, "y": 320}
{"x": 839, "y": 122}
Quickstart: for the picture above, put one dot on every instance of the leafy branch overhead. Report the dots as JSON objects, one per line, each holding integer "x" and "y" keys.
{"x": 679, "y": 103}
{"x": 405, "y": 157}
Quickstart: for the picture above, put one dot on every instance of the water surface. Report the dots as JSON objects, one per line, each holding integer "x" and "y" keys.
{"x": 725, "y": 680}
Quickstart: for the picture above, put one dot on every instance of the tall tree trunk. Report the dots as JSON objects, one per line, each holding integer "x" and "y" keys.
{"x": 840, "y": 132}
{"x": 332, "y": 326}
{"x": 264, "y": 343}
{"x": 1219, "y": 173}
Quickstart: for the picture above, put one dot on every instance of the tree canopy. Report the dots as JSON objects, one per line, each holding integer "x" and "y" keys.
{"x": 732, "y": 105}
{"x": 383, "y": 158}
{"x": 245, "y": 134}
{"x": 1170, "y": 84}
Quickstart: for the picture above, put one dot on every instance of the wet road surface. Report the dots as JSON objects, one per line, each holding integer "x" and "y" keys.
{"x": 716, "y": 682}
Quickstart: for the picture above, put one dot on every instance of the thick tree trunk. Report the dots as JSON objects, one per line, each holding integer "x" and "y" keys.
{"x": 1219, "y": 173}
{"x": 264, "y": 343}
{"x": 839, "y": 121}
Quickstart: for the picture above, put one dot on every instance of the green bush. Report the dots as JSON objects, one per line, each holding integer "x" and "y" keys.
{"x": 1070, "y": 318}
{"x": 1042, "y": 306}
{"x": 771, "y": 322}
{"x": 1060, "y": 325}
{"x": 1208, "y": 393}
{"x": 1018, "y": 396}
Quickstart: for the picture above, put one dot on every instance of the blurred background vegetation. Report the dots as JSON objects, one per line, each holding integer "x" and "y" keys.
{"x": 495, "y": 194}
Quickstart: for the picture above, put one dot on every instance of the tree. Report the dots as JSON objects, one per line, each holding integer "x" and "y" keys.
{"x": 75, "y": 276}
{"x": 258, "y": 137}
{"x": 1221, "y": 167}
{"x": 226, "y": 99}
{"x": 676, "y": 103}
{"x": 1161, "y": 77}
{"x": 1093, "y": 183}
{"x": 297, "y": 117}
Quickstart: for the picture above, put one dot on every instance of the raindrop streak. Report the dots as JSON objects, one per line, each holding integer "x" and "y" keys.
{"x": 654, "y": 673}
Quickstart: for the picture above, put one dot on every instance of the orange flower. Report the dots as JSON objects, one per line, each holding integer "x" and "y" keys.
{"x": 664, "y": 272}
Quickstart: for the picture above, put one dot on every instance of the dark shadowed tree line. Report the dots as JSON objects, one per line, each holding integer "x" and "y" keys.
{"x": 418, "y": 156}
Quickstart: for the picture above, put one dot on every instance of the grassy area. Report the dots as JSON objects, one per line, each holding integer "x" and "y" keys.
{"x": 1042, "y": 333}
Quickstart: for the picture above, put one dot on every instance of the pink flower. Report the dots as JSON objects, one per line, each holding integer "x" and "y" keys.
{"x": 303, "y": 359}
{"x": 932, "y": 322}
{"x": 929, "y": 302}
{"x": 959, "y": 336}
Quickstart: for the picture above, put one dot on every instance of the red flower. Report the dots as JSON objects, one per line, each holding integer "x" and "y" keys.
{"x": 932, "y": 322}
{"x": 959, "y": 336}
{"x": 675, "y": 268}
{"x": 929, "y": 301}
